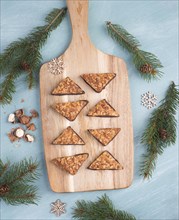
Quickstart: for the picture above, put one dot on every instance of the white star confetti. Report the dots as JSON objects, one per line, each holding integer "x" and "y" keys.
{"x": 148, "y": 100}
{"x": 58, "y": 207}
{"x": 56, "y": 66}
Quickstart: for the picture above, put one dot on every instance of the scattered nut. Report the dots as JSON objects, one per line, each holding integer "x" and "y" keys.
{"x": 18, "y": 113}
{"x": 11, "y": 118}
{"x": 12, "y": 137}
{"x": 24, "y": 119}
{"x": 19, "y": 132}
{"x": 31, "y": 127}
{"x": 29, "y": 138}
{"x": 34, "y": 113}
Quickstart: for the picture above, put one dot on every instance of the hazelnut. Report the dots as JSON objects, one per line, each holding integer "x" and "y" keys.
{"x": 34, "y": 113}
{"x": 31, "y": 127}
{"x": 29, "y": 138}
{"x": 19, "y": 113}
{"x": 19, "y": 132}
{"x": 11, "y": 118}
{"x": 12, "y": 137}
{"x": 24, "y": 119}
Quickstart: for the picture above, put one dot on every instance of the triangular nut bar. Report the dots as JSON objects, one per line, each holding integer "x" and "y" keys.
{"x": 105, "y": 161}
{"x": 70, "y": 110}
{"x": 67, "y": 87}
{"x": 104, "y": 135}
{"x": 68, "y": 137}
{"x": 98, "y": 81}
{"x": 71, "y": 163}
{"x": 103, "y": 109}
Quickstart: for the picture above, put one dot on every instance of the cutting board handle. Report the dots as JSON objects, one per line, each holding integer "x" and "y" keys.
{"x": 78, "y": 10}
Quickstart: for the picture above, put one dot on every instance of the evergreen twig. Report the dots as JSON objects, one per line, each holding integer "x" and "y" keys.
{"x": 102, "y": 209}
{"x": 3, "y": 167}
{"x": 146, "y": 63}
{"x": 161, "y": 130}
{"x": 16, "y": 182}
{"x": 23, "y": 56}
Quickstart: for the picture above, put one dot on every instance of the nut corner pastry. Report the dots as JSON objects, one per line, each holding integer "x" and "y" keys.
{"x": 70, "y": 110}
{"x": 104, "y": 135}
{"x": 98, "y": 81}
{"x": 103, "y": 109}
{"x": 68, "y": 137}
{"x": 105, "y": 161}
{"x": 71, "y": 164}
{"x": 67, "y": 87}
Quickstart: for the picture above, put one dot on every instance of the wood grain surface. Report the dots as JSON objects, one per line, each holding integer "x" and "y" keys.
{"x": 82, "y": 57}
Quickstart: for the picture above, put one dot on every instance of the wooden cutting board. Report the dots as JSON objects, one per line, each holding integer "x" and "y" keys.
{"x": 82, "y": 57}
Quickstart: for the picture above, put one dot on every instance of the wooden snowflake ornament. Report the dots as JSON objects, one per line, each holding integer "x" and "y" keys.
{"x": 58, "y": 207}
{"x": 56, "y": 66}
{"x": 148, "y": 100}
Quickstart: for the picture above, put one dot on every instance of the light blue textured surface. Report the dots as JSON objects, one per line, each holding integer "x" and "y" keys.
{"x": 155, "y": 24}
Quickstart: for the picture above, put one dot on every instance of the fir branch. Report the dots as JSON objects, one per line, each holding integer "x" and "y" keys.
{"x": 24, "y": 171}
{"x": 146, "y": 63}
{"x": 7, "y": 56}
{"x": 7, "y": 87}
{"x": 21, "y": 194}
{"x": 102, "y": 209}
{"x": 16, "y": 183}
{"x": 30, "y": 79}
{"x": 161, "y": 130}
{"x": 148, "y": 164}
{"x": 25, "y": 53}
{"x": 3, "y": 168}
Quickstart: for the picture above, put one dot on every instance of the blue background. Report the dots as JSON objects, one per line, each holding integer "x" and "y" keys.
{"x": 155, "y": 24}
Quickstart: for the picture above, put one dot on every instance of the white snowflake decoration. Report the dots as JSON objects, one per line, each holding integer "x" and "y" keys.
{"x": 58, "y": 207}
{"x": 56, "y": 66}
{"x": 148, "y": 100}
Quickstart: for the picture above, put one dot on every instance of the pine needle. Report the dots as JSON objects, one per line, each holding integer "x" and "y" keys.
{"x": 24, "y": 54}
{"x": 102, "y": 209}
{"x": 161, "y": 130}
{"x": 3, "y": 168}
{"x": 16, "y": 182}
{"x": 146, "y": 63}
